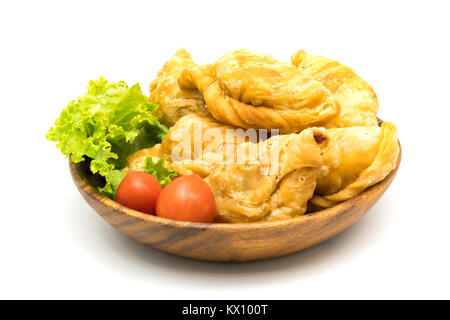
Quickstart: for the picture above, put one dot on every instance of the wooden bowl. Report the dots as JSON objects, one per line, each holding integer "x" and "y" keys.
{"x": 228, "y": 242}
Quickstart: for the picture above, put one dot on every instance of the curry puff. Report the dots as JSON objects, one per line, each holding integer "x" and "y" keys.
{"x": 224, "y": 119}
{"x": 355, "y": 159}
{"x": 250, "y": 89}
{"x": 173, "y": 101}
{"x": 357, "y": 99}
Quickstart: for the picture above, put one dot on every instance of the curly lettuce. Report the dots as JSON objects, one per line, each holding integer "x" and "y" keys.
{"x": 104, "y": 126}
{"x": 159, "y": 170}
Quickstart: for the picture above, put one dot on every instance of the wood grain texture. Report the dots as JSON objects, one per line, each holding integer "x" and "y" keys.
{"x": 228, "y": 242}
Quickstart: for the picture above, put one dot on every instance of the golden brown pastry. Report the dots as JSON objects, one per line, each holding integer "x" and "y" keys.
{"x": 192, "y": 134}
{"x": 355, "y": 159}
{"x": 268, "y": 180}
{"x": 275, "y": 184}
{"x": 293, "y": 193}
{"x": 253, "y": 90}
{"x": 197, "y": 143}
{"x": 173, "y": 101}
{"x": 358, "y": 101}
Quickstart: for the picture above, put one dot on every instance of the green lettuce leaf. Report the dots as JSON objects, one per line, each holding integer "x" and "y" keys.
{"x": 105, "y": 125}
{"x": 159, "y": 171}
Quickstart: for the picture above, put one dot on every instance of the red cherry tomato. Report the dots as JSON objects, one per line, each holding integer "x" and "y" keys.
{"x": 187, "y": 198}
{"x": 138, "y": 191}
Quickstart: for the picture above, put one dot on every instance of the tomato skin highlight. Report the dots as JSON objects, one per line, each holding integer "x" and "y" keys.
{"x": 187, "y": 198}
{"x": 139, "y": 191}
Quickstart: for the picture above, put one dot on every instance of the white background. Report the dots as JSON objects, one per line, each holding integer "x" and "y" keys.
{"x": 52, "y": 245}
